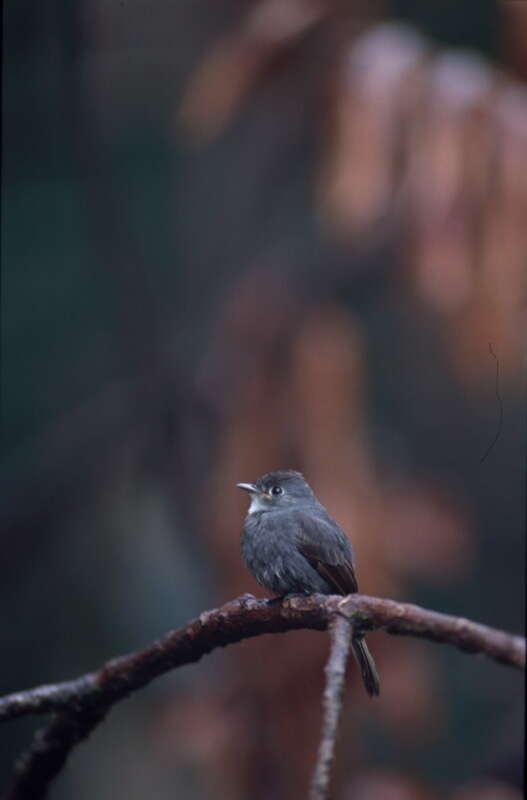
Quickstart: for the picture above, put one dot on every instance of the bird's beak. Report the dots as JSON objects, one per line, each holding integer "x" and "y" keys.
{"x": 249, "y": 487}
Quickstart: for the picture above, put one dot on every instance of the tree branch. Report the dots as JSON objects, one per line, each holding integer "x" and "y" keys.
{"x": 82, "y": 703}
{"x": 340, "y": 631}
{"x": 246, "y": 617}
{"x": 36, "y": 768}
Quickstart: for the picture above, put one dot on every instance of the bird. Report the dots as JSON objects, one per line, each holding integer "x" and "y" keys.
{"x": 293, "y": 546}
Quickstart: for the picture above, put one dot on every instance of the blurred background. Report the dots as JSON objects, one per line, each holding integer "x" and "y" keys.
{"x": 240, "y": 236}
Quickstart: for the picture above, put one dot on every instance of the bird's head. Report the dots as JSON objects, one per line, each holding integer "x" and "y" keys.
{"x": 277, "y": 490}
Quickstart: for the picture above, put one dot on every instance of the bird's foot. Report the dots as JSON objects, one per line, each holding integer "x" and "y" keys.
{"x": 282, "y": 598}
{"x": 272, "y": 601}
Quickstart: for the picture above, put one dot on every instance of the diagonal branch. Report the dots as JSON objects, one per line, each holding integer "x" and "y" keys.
{"x": 340, "y": 631}
{"x": 82, "y": 703}
{"x": 39, "y": 765}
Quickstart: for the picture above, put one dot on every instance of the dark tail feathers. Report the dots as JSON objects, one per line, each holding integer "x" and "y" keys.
{"x": 367, "y": 666}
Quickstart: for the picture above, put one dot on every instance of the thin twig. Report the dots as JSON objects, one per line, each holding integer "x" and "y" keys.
{"x": 82, "y": 703}
{"x": 340, "y": 631}
{"x": 500, "y": 405}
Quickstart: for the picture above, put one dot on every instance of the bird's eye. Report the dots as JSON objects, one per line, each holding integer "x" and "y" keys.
{"x": 276, "y": 490}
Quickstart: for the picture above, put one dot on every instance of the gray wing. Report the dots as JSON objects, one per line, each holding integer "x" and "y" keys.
{"x": 327, "y": 549}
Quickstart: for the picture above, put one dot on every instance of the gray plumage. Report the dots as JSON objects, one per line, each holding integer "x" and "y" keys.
{"x": 292, "y": 546}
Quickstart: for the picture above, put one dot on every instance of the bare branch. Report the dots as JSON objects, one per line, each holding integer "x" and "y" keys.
{"x": 82, "y": 703}
{"x": 340, "y": 631}
{"x": 246, "y": 617}
{"x": 38, "y": 766}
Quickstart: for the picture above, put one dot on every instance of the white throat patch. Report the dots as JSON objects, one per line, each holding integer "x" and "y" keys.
{"x": 257, "y": 504}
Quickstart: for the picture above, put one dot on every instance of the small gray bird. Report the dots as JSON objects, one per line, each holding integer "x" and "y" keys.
{"x": 292, "y": 546}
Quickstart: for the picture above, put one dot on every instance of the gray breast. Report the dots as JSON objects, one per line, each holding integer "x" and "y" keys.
{"x": 270, "y": 552}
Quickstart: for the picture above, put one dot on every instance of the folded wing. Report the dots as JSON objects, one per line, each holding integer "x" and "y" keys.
{"x": 328, "y": 550}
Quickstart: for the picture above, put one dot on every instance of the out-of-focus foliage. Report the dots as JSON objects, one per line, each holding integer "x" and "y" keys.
{"x": 241, "y": 236}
